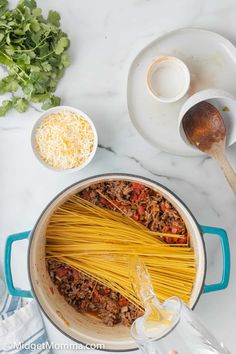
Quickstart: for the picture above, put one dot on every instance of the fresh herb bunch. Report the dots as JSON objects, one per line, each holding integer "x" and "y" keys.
{"x": 34, "y": 51}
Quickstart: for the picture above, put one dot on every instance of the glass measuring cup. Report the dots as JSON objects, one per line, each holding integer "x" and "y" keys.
{"x": 168, "y": 328}
{"x": 185, "y": 334}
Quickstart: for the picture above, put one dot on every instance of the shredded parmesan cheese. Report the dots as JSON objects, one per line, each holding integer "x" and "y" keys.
{"x": 64, "y": 140}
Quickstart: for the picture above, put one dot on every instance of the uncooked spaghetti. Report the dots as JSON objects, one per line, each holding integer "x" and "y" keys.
{"x": 99, "y": 243}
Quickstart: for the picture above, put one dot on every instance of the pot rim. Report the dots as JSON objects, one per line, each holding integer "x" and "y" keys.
{"x": 118, "y": 175}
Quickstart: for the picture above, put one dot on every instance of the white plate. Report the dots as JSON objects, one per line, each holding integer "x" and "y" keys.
{"x": 211, "y": 60}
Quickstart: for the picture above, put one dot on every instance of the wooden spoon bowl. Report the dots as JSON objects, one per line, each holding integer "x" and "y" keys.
{"x": 204, "y": 127}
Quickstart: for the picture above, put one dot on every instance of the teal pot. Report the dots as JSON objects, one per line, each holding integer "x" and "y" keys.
{"x": 88, "y": 329}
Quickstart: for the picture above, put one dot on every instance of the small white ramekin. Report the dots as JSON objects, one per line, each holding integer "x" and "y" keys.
{"x": 60, "y": 109}
{"x": 224, "y": 101}
{"x": 173, "y": 61}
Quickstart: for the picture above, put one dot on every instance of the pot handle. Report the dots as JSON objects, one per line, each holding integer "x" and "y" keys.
{"x": 7, "y": 265}
{"x": 221, "y": 233}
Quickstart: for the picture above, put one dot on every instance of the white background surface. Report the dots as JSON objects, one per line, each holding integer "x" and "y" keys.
{"x": 105, "y": 37}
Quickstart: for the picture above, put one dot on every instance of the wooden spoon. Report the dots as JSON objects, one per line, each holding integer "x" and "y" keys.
{"x": 205, "y": 128}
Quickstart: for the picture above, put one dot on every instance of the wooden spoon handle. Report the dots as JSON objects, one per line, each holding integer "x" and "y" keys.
{"x": 227, "y": 169}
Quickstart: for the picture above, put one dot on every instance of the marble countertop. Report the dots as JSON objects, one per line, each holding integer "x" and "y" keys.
{"x": 105, "y": 37}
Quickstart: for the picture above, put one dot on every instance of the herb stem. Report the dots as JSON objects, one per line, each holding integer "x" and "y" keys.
{"x": 23, "y": 17}
{"x": 33, "y": 49}
{"x": 21, "y": 78}
{"x": 47, "y": 55}
{"x": 6, "y": 26}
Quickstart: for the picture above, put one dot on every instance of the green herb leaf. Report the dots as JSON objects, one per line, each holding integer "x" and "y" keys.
{"x": 5, "y": 107}
{"x": 30, "y": 4}
{"x": 28, "y": 89}
{"x": 65, "y": 60}
{"x": 61, "y": 45}
{"x": 37, "y": 12}
{"x": 8, "y": 84}
{"x": 54, "y": 18}
{"x": 40, "y": 98}
{"x": 52, "y": 102}
{"x": 23, "y": 59}
{"x": 20, "y": 104}
{"x": 9, "y": 51}
{"x": 34, "y": 69}
{"x": 46, "y": 66}
{"x": 35, "y": 26}
{"x": 36, "y": 36}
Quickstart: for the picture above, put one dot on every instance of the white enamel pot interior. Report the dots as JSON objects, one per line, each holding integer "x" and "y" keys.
{"x": 81, "y": 327}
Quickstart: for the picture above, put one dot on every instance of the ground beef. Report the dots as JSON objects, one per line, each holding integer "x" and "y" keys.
{"x": 88, "y": 296}
{"x": 143, "y": 205}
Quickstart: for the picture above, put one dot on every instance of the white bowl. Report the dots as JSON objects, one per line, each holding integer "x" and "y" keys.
{"x": 59, "y": 109}
{"x": 173, "y": 79}
{"x": 223, "y": 101}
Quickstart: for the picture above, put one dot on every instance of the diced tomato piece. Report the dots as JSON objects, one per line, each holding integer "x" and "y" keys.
{"x": 141, "y": 210}
{"x": 61, "y": 272}
{"x": 165, "y": 206}
{"x": 123, "y": 302}
{"x": 170, "y": 240}
{"x": 137, "y": 186}
{"x": 107, "y": 291}
{"x": 85, "y": 195}
{"x": 135, "y": 217}
{"x": 182, "y": 240}
{"x": 165, "y": 229}
{"x": 96, "y": 295}
{"x": 142, "y": 196}
{"x": 174, "y": 229}
{"x": 75, "y": 275}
